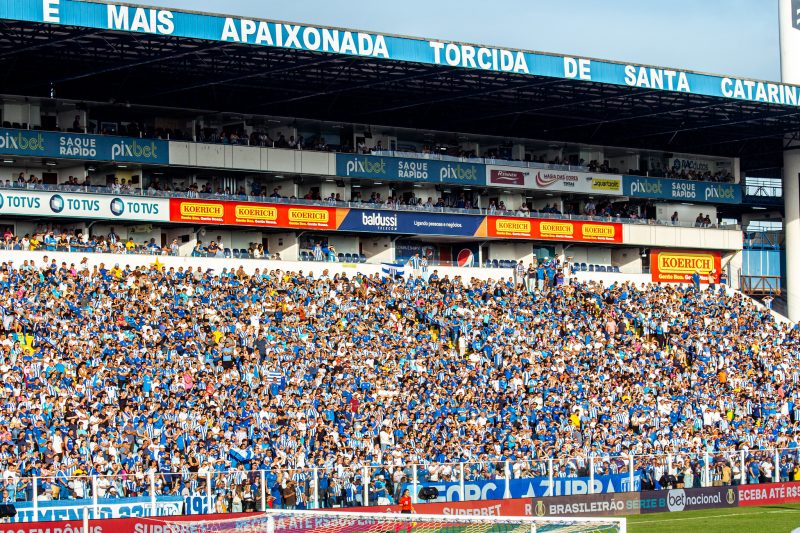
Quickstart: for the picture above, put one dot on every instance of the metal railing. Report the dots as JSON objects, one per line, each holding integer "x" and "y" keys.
{"x": 119, "y": 191}
{"x": 761, "y": 285}
{"x": 359, "y": 485}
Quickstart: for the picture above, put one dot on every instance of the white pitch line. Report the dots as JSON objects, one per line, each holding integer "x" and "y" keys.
{"x": 635, "y": 523}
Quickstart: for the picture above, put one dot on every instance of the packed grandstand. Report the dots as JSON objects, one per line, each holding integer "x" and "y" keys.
{"x": 119, "y": 372}
{"x": 316, "y": 276}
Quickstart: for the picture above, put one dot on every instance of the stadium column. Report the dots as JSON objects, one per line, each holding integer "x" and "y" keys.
{"x": 791, "y": 206}
{"x": 790, "y": 73}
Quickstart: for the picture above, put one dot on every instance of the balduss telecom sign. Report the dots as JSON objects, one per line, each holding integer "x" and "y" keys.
{"x": 670, "y": 266}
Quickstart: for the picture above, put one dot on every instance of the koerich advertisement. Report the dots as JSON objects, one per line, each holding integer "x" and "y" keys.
{"x": 676, "y": 266}
{"x": 63, "y": 204}
{"x": 682, "y": 190}
{"x": 57, "y": 145}
{"x": 252, "y": 214}
{"x": 553, "y": 230}
{"x": 406, "y": 169}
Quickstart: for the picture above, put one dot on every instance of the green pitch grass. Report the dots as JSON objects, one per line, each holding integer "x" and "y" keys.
{"x": 767, "y": 519}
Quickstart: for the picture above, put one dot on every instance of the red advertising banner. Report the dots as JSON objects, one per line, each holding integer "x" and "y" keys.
{"x": 677, "y": 266}
{"x": 553, "y": 230}
{"x": 769, "y": 494}
{"x": 250, "y": 214}
{"x": 510, "y": 507}
{"x": 516, "y": 507}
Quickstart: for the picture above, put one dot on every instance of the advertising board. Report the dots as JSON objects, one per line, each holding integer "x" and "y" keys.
{"x": 58, "y": 145}
{"x": 554, "y": 230}
{"x": 409, "y": 169}
{"x": 682, "y": 190}
{"x": 79, "y": 205}
{"x": 251, "y": 214}
{"x": 553, "y": 180}
{"x": 678, "y": 266}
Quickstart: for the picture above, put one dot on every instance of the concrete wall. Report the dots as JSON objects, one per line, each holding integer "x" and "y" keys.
{"x": 674, "y": 237}
{"x": 251, "y": 158}
{"x": 686, "y": 213}
{"x": 377, "y": 248}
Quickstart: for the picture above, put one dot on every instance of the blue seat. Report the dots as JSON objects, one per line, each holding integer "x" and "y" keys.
{"x": 348, "y": 258}
{"x": 227, "y": 252}
{"x": 340, "y": 257}
{"x": 303, "y": 255}
{"x": 601, "y": 268}
{"x": 234, "y": 253}
{"x": 495, "y": 264}
{"x": 362, "y": 258}
{"x": 591, "y": 268}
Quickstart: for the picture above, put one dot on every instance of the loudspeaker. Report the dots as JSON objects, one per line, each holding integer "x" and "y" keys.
{"x": 428, "y": 493}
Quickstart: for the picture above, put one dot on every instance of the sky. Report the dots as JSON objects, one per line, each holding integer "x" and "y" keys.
{"x": 733, "y": 37}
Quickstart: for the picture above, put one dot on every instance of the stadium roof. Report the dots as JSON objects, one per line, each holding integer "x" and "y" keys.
{"x": 211, "y": 63}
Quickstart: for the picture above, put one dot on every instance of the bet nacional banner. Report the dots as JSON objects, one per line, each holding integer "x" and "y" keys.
{"x": 254, "y": 32}
{"x": 677, "y": 266}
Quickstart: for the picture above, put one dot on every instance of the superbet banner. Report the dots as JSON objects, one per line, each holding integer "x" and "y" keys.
{"x": 670, "y": 266}
{"x": 553, "y": 230}
{"x": 250, "y": 214}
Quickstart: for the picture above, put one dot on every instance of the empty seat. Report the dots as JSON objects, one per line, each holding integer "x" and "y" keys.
{"x": 303, "y": 255}
{"x": 340, "y": 257}
{"x": 362, "y": 258}
{"x": 227, "y": 252}
{"x": 495, "y": 263}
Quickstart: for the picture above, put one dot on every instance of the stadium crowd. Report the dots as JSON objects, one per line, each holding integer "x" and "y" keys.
{"x": 120, "y": 372}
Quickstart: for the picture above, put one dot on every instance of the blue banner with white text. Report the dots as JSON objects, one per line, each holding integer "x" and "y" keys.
{"x": 230, "y": 29}
{"x": 536, "y": 487}
{"x": 406, "y": 169}
{"x": 411, "y": 223}
{"x": 72, "y": 510}
{"x": 682, "y": 190}
{"x": 58, "y": 145}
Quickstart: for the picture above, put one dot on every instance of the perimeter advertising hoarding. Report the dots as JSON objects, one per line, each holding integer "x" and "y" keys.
{"x": 495, "y": 489}
{"x": 614, "y": 504}
{"x": 408, "y": 169}
{"x": 676, "y": 500}
{"x": 769, "y": 494}
{"x": 682, "y": 190}
{"x": 678, "y": 266}
{"x": 78, "y": 205}
{"x": 553, "y": 230}
{"x": 48, "y": 511}
{"x": 57, "y": 145}
{"x": 251, "y": 214}
{"x": 553, "y": 180}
